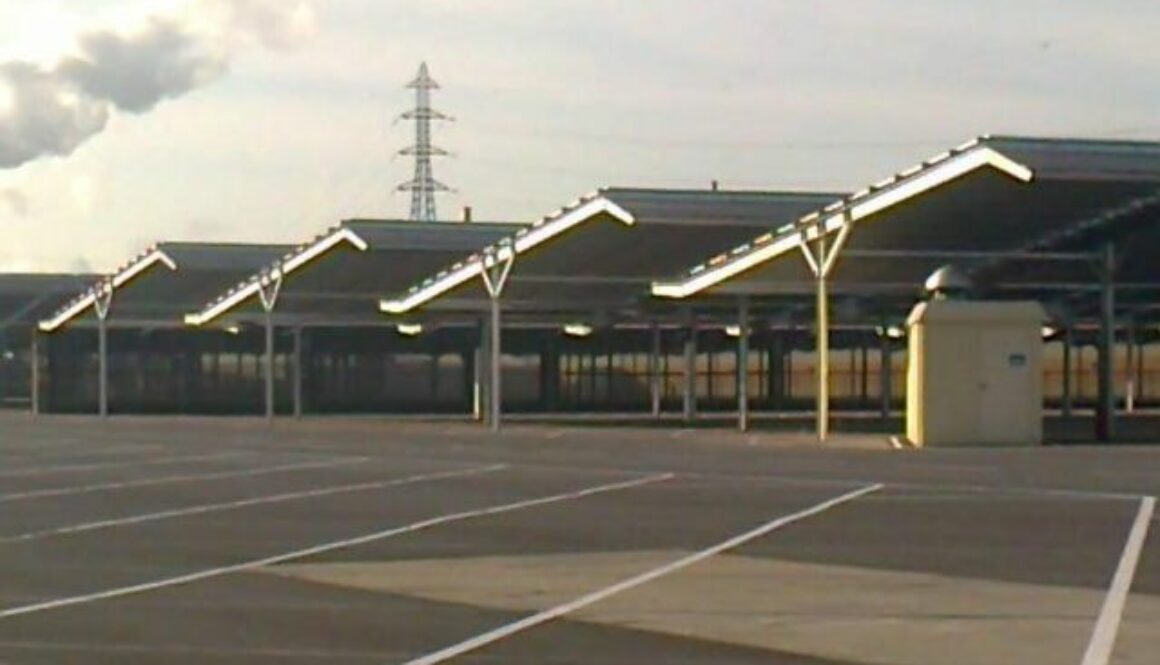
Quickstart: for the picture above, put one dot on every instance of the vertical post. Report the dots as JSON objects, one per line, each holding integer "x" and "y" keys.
{"x": 477, "y": 397}
{"x": 689, "y": 405}
{"x": 823, "y": 346}
{"x": 654, "y": 371}
{"x": 34, "y": 372}
{"x": 886, "y": 378}
{"x": 864, "y": 351}
{"x": 1140, "y": 370}
{"x": 1106, "y": 406}
{"x": 479, "y": 360}
{"x": 1129, "y": 373}
{"x": 298, "y": 373}
{"x": 269, "y": 289}
{"x": 434, "y": 368}
{"x": 34, "y": 368}
{"x": 743, "y": 365}
{"x": 497, "y": 267}
{"x": 102, "y": 303}
{"x": 102, "y": 368}
{"x": 1065, "y": 401}
{"x": 550, "y": 373}
{"x": 776, "y": 371}
{"x": 495, "y": 393}
{"x": 268, "y": 364}
{"x": 787, "y": 366}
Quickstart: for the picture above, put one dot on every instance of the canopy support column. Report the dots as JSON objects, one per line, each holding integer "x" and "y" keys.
{"x": 654, "y": 372}
{"x": 1129, "y": 369}
{"x": 822, "y": 260}
{"x": 34, "y": 373}
{"x": 886, "y": 373}
{"x": 689, "y": 402}
{"x": 102, "y": 303}
{"x": 1106, "y": 405}
{"x": 298, "y": 373}
{"x": 497, "y": 267}
{"x": 743, "y": 364}
{"x": 478, "y": 389}
{"x": 1065, "y": 402}
{"x": 269, "y": 290}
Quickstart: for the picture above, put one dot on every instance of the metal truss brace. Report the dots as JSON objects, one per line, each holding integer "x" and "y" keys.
{"x": 269, "y": 288}
{"x": 497, "y": 269}
{"x": 831, "y": 257}
{"x": 808, "y": 253}
{"x": 103, "y": 299}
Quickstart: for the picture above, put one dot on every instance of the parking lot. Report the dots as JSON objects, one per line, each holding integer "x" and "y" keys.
{"x": 376, "y": 541}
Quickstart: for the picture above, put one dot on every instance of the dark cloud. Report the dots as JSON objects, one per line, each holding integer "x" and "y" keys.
{"x": 52, "y": 111}
{"x": 44, "y": 114}
{"x": 136, "y": 71}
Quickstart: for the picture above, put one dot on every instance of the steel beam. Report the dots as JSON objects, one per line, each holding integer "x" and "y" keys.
{"x": 952, "y": 255}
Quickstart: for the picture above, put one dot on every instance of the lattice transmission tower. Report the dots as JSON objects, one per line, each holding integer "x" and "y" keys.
{"x": 423, "y": 185}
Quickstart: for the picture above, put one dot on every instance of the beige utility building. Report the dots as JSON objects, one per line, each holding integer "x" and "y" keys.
{"x": 975, "y": 375}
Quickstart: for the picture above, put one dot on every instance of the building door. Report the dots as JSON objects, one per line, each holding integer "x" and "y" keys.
{"x": 1007, "y": 386}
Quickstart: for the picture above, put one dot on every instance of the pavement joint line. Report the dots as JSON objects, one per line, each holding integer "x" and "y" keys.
{"x": 332, "y": 546}
{"x": 165, "y": 480}
{"x": 95, "y": 466}
{"x": 1103, "y": 639}
{"x": 49, "y": 453}
{"x": 243, "y": 503}
{"x": 545, "y": 616}
{"x": 802, "y": 479}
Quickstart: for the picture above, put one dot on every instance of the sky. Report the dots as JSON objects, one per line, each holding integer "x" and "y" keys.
{"x": 128, "y": 122}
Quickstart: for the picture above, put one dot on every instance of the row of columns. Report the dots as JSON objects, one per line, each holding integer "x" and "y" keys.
{"x": 482, "y": 367}
{"x": 497, "y": 269}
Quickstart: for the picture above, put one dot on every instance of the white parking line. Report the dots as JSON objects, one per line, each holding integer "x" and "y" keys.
{"x": 243, "y": 503}
{"x": 545, "y": 616}
{"x": 327, "y": 547}
{"x": 93, "y": 466}
{"x": 165, "y": 480}
{"x": 1099, "y": 650}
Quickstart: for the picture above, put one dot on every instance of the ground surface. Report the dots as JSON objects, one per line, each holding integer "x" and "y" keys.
{"x": 361, "y": 541}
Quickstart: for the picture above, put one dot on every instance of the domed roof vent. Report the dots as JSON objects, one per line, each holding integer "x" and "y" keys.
{"x": 948, "y": 282}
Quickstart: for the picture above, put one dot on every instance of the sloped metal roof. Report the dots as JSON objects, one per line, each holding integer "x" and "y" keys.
{"x": 995, "y": 197}
{"x": 607, "y": 246}
{"x": 339, "y": 274}
{"x": 25, "y": 297}
{"x": 163, "y": 282}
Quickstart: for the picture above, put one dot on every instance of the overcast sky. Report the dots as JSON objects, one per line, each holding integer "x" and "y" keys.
{"x": 126, "y": 122}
